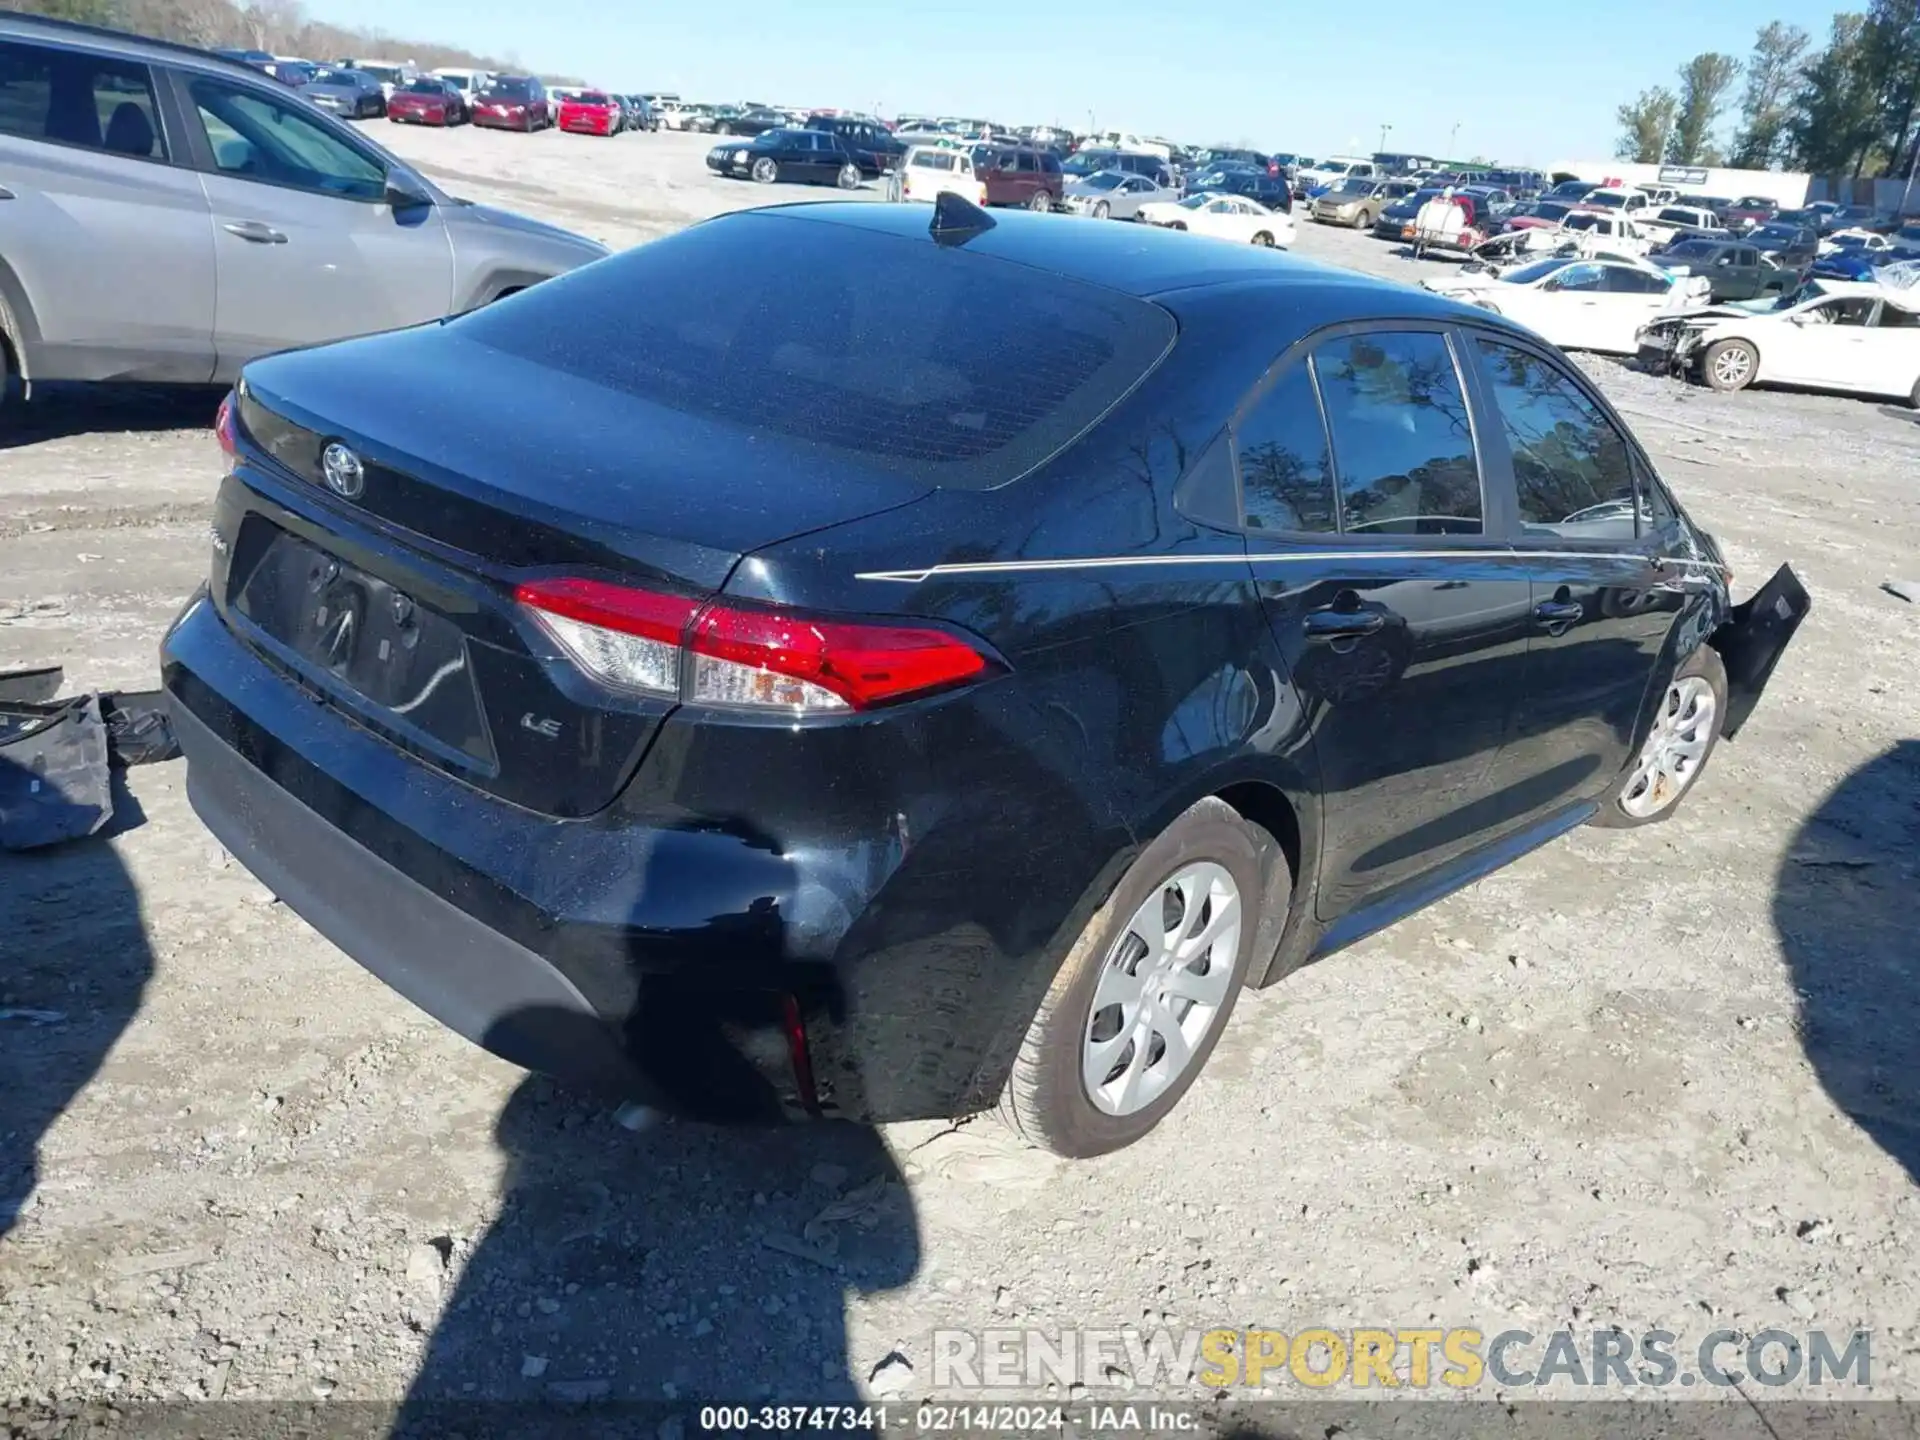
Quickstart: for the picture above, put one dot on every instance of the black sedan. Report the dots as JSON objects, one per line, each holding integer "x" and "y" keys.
{"x": 754, "y": 120}
{"x": 813, "y": 157}
{"x": 827, "y": 663}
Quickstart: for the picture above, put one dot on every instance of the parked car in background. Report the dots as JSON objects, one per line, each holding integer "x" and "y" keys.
{"x": 1571, "y": 190}
{"x": 1224, "y": 217}
{"x": 350, "y": 93}
{"x": 1084, "y": 162}
{"x": 1113, "y": 195}
{"x": 1020, "y": 175}
{"x": 1733, "y": 268}
{"x": 1127, "y": 141}
{"x": 1669, "y": 222}
{"x": 1866, "y": 242}
{"x": 282, "y": 226}
{"x": 1494, "y": 203}
{"x": 637, "y": 114}
{"x": 1537, "y": 215}
{"x": 673, "y": 114}
{"x": 1606, "y": 228}
{"x": 590, "y": 112}
{"x": 1626, "y": 202}
{"x": 294, "y": 74}
{"x": 513, "y": 102}
{"x": 391, "y": 74}
{"x": 1857, "y": 338}
{"x": 467, "y": 81}
{"x": 1792, "y": 246}
{"x": 1864, "y": 217}
{"x": 1325, "y": 174}
{"x": 926, "y": 172}
{"x": 429, "y": 100}
{"x": 1580, "y": 304}
{"x": 810, "y": 157}
{"x": 847, "y": 547}
{"x": 261, "y": 60}
{"x": 875, "y": 149}
{"x": 1358, "y": 203}
{"x": 1396, "y": 221}
{"x": 1749, "y": 211}
{"x": 757, "y": 121}
{"x": 1270, "y": 190}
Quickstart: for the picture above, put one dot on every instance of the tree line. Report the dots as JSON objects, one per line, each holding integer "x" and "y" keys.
{"x": 1847, "y": 108}
{"x": 281, "y": 27}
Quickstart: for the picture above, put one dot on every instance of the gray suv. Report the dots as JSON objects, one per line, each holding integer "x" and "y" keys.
{"x": 166, "y": 215}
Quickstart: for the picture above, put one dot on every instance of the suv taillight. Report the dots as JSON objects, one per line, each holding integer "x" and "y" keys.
{"x": 714, "y": 653}
{"x": 225, "y": 428}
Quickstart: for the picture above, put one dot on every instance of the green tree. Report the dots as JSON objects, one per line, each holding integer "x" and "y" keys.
{"x": 1773, "y": 78}
{"x": 1835, "y": 128}
{"x": 1644, "y": 125}
{"x": 1893, "y": 46}
{"x": 1704, "y": 82}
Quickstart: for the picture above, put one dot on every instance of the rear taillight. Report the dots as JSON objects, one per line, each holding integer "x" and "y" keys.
{"x": 224, "y": 429}
{"x": 714, "y": 653}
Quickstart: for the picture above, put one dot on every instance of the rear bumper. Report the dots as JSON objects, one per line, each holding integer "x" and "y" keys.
{"x": 649, "y": 951}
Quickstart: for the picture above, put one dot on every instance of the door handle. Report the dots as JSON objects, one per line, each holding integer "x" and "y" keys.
{"x": 1558, "y": 612}
{"x": 253, "y": 230}
{"x": 1342, "y": 624}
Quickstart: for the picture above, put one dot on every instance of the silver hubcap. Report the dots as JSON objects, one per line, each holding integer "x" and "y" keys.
{"x": 1161, "y": 989}
{"x": 1730, "y": 366}
{"x": 1674, "y": 751}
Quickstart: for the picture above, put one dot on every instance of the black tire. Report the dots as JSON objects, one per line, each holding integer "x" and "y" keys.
{"x": 1913, "y": 395}
{"x": 1046, "y": 1101}
{"x": 1177, "y": 225}
{"x": 764, "y": 171}
{"x": 1362, "y": 220}
{"x": 1703, "y": 664}
{"x": 1716, "y": 365}
{"x": 849, "y": 177}
{"x": 1102, "y": 210}
{"x": 1041, "y": 201}
{"x": 1263, "y": 239}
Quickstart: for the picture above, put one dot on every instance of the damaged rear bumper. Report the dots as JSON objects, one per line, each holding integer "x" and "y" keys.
{"x": 1753, "y": 638}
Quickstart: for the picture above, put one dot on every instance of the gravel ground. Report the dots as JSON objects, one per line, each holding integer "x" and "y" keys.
{"x": 1663, "y": 1078}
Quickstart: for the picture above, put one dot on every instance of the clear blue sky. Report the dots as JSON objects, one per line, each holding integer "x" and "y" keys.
{"x": 1527, "y": 81}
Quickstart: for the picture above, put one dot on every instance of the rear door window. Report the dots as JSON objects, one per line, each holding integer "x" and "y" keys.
{"x": 1402, "y": 439}
{"x": 1286, "y": 470}
{"x": 1572, "y": 468}
{"x": 70, "y": 98}
{"x": 788, "y": 327}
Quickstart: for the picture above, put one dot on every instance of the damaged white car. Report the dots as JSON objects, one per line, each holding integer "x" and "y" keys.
{"x": 1854, "y": 337}
{"x": 1577, "y": 303}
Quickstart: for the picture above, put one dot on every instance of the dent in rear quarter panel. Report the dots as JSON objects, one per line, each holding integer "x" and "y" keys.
{"x": 1133, "y": 690}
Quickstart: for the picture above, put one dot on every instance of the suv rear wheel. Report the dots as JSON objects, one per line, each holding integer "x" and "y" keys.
{"x": 1144, "y": 993}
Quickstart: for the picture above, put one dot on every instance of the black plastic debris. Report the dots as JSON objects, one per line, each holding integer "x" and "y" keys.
{"x": 55, "y": 780}
{"x": 57, "y": 757}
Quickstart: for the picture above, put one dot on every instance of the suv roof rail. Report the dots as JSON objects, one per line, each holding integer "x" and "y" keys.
{"x": 81, "y": 28}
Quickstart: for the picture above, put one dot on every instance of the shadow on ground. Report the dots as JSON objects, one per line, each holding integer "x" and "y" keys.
{"x": 1844, "y": 905}
{"x": 681, "y": 1264}
{"x": 74, "y": 967}
{"x": 59, "y": 410}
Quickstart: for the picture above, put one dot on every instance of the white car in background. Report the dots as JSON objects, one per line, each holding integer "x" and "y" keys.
{"x": 1602, "y": 229}
{"x": 1859, "y": 337}
{"x": 1126, "y": 140}
{"x": 1114, "y": 195}
{"x": 673, "y": 115}
{"x": 468, "y": 82}
{"x": 1861, "y": 242}
{"x": 1225, "y": 217}
{"x": 1332, "y": 172}
{"x": 1670, "y": 220}
{"x": 926, "y": 172}
{"x": 1581, "y": 304}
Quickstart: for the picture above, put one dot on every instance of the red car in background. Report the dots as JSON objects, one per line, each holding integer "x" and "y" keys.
{"x": 591, "y": 112}
{"x": 427, "y": 101}
{"x": 513, "y": 102}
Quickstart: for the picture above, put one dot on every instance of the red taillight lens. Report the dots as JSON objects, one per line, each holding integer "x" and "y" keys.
{"x": 224, "y": 428}
{"x": 718, "y": 654}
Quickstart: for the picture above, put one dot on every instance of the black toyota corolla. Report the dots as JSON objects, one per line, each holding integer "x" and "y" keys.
{"x": 823, "y": 663}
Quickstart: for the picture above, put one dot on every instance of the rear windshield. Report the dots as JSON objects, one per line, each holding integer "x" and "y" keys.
{"x": 511, "y": 89}
{"x": 933, "y": 160}
{"x": 781, "y": 325}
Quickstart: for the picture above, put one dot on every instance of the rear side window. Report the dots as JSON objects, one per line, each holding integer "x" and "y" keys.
{"x": 1571, "y": 467}
{"x": 70, "y": 98}
{"x": 1286, "y": 473}
{"x": 781, "y": 325}
{"x": 1402, "y": 440}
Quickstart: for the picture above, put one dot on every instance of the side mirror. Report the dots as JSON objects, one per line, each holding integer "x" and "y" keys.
{"x": 404, "y": 192}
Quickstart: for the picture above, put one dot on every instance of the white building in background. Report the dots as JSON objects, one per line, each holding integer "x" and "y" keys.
{"x": 1786, "y": 189}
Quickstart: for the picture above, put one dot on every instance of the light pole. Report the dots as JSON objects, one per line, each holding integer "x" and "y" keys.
{"x": 1385, "y": 130}
{"x": 1453, "y": 137}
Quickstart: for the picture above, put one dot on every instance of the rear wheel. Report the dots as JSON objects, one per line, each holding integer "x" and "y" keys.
{"x": 1729, "y": 365}
{"x": 1176, "y": 224}
{"x": 765, "y": 171}
{"x": 1262, "y": 238}
{"x": 1913, "y": 395}
{"x": 1040, "y": 200}
{"x": 1144, "y": 993}
{"x": 1684, "y": 732}
{"x": 849, "y": 177}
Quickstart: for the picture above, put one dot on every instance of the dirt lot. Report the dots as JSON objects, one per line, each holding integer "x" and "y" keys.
{"x": 1665, "y": 1078}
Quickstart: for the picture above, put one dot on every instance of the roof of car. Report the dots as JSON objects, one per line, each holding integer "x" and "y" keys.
{"x": 119, "y": 42}
{"x": 1139, "y": 260}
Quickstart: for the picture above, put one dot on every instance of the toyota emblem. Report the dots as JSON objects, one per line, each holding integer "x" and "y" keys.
{"x": 344, "y": 473}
